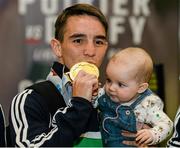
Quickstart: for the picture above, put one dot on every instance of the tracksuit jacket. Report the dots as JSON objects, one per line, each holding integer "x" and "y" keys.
{"x": 2, "y": 128}
{"x": 33, "y": 124}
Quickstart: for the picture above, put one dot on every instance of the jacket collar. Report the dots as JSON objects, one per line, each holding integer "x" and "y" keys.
{"x": 58, "y": 68}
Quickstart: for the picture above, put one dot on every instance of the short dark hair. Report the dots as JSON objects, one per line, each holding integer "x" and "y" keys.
{"x": 78, "y": 9}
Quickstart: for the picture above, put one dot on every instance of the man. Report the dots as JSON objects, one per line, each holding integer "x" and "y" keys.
{"x": 80, "y": 35}
{"x": 2, "y": 128}
{"x": 174, "y": 141}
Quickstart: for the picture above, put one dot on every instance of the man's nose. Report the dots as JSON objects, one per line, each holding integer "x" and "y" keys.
{"x": 89, "y": 49}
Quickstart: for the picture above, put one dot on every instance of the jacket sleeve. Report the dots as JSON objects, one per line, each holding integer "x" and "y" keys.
{"x": 174, "y": 141}
{"x": 32, "y": 125}
{"x": 2, "y": 128}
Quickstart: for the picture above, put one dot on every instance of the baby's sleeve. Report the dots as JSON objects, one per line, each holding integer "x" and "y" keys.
{"x": 101, "y": 92}
{"x": 161, "y": 124}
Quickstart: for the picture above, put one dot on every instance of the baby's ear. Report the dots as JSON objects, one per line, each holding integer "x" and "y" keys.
{"x": 143, "y": 87}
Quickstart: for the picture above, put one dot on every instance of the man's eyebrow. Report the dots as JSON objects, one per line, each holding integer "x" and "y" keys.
{"x": 77, "y": 35}
{"x": 101, "y": 37}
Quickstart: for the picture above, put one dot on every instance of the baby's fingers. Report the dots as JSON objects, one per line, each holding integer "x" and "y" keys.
{"x": 144, "y": 137}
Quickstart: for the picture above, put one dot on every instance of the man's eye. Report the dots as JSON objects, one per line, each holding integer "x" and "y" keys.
{"x": 101, "y": 42}
{"x": 77, "y": 40}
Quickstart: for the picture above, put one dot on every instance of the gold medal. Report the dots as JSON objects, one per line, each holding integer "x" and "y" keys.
{"x": 85, "y": 66}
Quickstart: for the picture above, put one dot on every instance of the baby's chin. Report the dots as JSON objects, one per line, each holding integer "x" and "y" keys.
{"x": 115, "y": 99}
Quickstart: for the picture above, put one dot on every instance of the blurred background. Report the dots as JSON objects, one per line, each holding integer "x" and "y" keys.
{"x": 26, "y": 28}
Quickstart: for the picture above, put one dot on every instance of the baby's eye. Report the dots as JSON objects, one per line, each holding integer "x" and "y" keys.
{"x": 108, "y": 80}
{"x": 121, "y": 85}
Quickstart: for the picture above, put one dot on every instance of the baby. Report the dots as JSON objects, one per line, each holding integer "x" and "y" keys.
{"x": 127, "y": 103}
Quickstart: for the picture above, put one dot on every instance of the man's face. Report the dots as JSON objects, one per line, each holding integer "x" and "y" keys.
{"x": 84, "y": 40}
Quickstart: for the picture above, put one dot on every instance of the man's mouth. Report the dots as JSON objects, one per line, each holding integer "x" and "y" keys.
{"x": 91, "y": 62}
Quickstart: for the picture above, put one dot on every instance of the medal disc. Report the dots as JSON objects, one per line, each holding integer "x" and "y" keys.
{"x": 85, "y": 66}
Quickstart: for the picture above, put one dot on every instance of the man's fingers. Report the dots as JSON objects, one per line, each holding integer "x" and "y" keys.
{"x": 130, "y": 143}
{"x": 128, "y": 134}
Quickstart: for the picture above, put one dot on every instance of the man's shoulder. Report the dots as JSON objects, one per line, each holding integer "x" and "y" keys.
{"x": 45, "y": 89}
{"x": 49, "y": 93}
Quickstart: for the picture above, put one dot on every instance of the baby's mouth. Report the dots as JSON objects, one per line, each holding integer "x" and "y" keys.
{"x": 112, "y": 96}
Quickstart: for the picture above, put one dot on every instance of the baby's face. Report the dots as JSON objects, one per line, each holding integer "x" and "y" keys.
{"x": 121, "y": 84}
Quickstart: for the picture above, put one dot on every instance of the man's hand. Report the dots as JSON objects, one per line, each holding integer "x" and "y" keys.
{"x": 134, "y": 143}
{"x": 85, "y": 85}
{"x": 129, "y": 134}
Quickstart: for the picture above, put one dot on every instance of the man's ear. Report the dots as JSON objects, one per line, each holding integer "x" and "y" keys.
{"x": 143, "y": 87}
{"x": 56, "y": 47}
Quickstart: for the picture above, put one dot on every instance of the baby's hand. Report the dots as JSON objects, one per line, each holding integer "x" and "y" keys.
{"x": 144, "y": 137}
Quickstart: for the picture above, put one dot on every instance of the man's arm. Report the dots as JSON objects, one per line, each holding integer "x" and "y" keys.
{"x": 2, "y": 128}
{"x": 175, "y": 139}
{"x": 31, "y": 125}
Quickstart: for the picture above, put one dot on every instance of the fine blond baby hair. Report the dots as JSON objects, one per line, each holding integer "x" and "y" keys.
{"x": 138, "y": 59}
